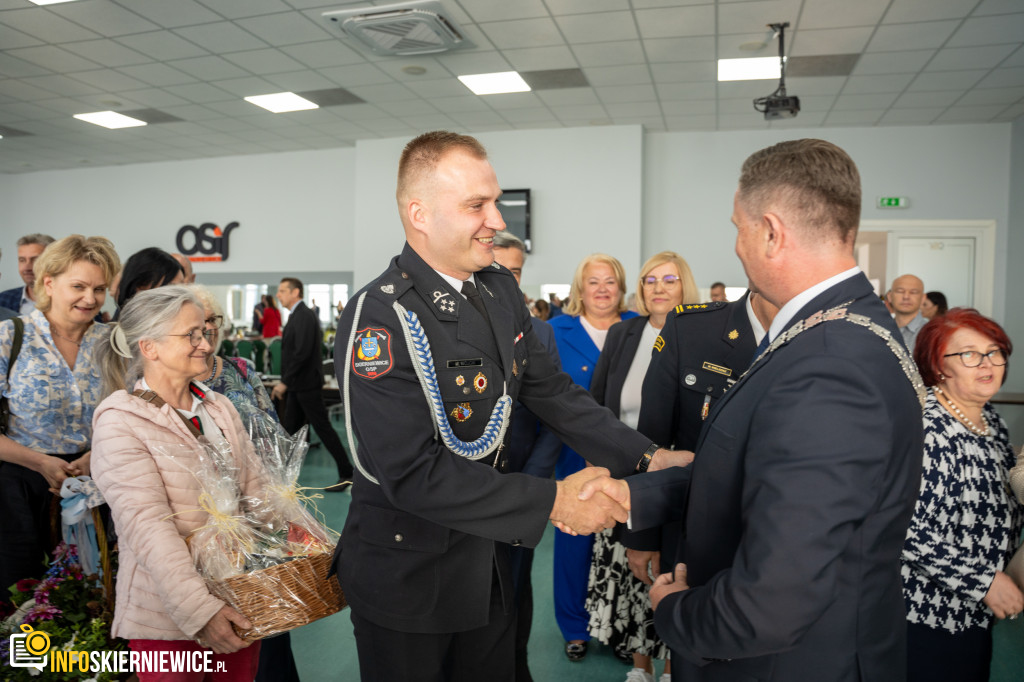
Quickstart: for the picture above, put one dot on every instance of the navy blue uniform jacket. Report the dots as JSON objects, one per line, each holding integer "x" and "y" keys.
{"x": 802, "y": 488}
{"x": 419, "y": 551}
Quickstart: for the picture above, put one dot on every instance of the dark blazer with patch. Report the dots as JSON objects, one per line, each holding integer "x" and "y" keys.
{"x": 419, "y": 550}
{"x": 802, "y": 489}
{"x": 620, "y": 347}
{"x": 301, "y": 364}
{"x": 704, "y": 348}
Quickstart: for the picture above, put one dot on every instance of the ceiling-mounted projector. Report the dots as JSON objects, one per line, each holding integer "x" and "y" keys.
{"x": 778, "y": 104}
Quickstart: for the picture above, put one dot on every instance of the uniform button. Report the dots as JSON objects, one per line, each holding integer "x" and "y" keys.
{"x": 516, "y": 542}
{"x": 399, "y": 537}
{"x": 405, "y": 275}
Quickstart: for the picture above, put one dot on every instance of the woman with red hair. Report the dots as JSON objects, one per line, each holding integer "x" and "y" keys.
{"x": 966, "y": 523}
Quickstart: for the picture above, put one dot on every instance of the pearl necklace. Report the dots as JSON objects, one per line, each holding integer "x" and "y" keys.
{"x": 213, "y": 372}
{"x": 961, "y": 416}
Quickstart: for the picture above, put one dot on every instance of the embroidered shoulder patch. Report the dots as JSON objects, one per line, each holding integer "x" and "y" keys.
{"x": 659, "y": 343}
{"x": 371, "y": 356}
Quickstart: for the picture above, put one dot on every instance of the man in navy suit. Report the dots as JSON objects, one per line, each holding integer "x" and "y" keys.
{"x": 806, "y": 473}
{"x": 22, "y": 299}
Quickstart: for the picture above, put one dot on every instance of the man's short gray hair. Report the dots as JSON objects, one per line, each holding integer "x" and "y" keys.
{"x": 43, "y": 240}
{"x": 507, "y": 240}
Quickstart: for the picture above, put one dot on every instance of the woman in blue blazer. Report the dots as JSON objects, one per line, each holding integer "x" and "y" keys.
{"x": 596, "y": 302}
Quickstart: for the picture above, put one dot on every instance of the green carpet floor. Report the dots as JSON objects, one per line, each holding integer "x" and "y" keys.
{"x": 325, "y": 651}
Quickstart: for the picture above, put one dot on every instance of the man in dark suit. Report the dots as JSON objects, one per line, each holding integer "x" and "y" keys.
{"x": 302, "y": 378}
{"x": 430, "y": 357}
{"x": 22, "y": 300}
{"x": 807, "y": 471}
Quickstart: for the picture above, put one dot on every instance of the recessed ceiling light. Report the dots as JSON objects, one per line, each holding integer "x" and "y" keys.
{"x": 753, "y": 69}
{"x": 495, "y": 83}
{"x": 281, "y": 102}
{"x": 49, "y": 2}
{"x": 110, "y": 119}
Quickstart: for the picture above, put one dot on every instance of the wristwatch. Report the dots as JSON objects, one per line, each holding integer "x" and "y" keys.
{"x": 645, "y": 461}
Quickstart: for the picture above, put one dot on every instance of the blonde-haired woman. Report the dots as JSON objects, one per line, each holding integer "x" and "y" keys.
{"x": 52, "y": 388}
{"x": 618, "y": 603}
{"x": 596, "y": 302}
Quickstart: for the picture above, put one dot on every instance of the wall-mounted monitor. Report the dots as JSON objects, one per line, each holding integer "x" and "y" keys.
{"x": 514, "y": 205}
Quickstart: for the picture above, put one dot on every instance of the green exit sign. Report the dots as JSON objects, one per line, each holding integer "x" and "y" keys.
{"x": 893, "y": 202}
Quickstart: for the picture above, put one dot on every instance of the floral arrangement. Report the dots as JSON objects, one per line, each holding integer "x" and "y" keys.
{"x": 67, "y": 605}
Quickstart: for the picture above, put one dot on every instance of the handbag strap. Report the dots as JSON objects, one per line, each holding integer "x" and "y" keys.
{"x": 151, "y": 397}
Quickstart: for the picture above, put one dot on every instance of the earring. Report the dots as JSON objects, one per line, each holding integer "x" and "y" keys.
{"x": 942, "y": 377}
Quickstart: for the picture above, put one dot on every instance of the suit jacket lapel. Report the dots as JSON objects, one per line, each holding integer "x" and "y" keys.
{"x": 578, "y": 338}
{"x": 502, "y": 324}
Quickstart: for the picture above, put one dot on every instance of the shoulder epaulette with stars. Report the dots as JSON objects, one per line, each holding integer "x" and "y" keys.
{"x": 700, "y": 307}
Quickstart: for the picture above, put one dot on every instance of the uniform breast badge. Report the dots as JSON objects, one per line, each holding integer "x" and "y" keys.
{"x": 515, "y": 369}
{"x": 459, "y": 380}
{"x": 734, "y": 334}
{"x": 461, "y": 412}
{"x": 480, "y": 382}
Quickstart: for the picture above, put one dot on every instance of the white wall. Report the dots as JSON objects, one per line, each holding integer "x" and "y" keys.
{"x": 295, "y": 208}
{"x": 947, "y": 171}
{"x": 586, "y": 196}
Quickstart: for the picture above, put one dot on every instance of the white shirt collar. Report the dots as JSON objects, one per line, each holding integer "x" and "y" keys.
{"x": 794, "y": 304}
{"x": 456, "y": 283}
{"x": 755, "y": 324}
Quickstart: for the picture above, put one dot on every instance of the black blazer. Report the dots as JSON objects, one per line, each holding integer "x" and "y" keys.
{"x": 620, "y": 347}
{"x": 804, "y": 482}
{"x": 301, "y": 361}
{"x": 421, "y": 547}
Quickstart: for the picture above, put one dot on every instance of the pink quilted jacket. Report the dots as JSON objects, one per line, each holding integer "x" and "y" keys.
{"x": 159, "y": 593}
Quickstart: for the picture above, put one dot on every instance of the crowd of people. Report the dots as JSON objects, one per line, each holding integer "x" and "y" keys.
{"x": 809, "y": 482}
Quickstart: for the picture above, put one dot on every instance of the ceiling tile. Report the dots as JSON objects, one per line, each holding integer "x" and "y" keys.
{"x": 598, "y": 27}
{"x": 681, "y": 123}
{"x": 323, "y": 53}
{"x": 690, "y": 49}
{"x": 910, "y": 61}
{"x": 841, "y": 13}
{"x": 528, "y": 115}
{"x": 946, "y": 80}
{"x": 1007, "y": 28}
{"x": 618, "y": 109}
{"x": 906, "y": 11}
{"x": 108, "y": 53}
{"x": 46, "y": 26}
{"x": 925, "y": 100}
{"x": 447, "y": 87}
{"x": 300, "y": 81}
{"x": 1016, "y": 59}
{"x": 860, "y": 117}
{"x": 284, "y": 29}
{"x": 744, "y": 17}
{"x": 970, "y": 114}
{"x": 62, "y": 85}
{"x": 563, "y": 98}
{"x": 627, "y": 93}
{"x": 910, "y": 116}
{"x": 162, "y": 46}
{"x": 735, "y": 106}
{"x": 356, "y": 74}
{"x": 618, "y": 75}
{"x": 831, "y": 41}
{"x": 685, "y": 72}
{"x": 513, "y": 100}
{"x": 159, "y": 75}
{"x": 477, "y": 118}
{"x": 982, "y": 96}
{"x": 654, "y": 4}
{"x": 538, "y": 58}
{"x": 523, "y": 33}
{"x": 912, "y": 36}
{"x": 997, "y": 7}
{"x": 959, "y": 58}
{"x": 737, "y": 89}
{"x": 391, "y": 92}
{"x": 13, "y": 67}
{"x": 676, "y": 22}
{"x": 110, "y": 80}
{"x": 11, "y": 38}
{"x": 501, "y": 10}
{"x": 246, "y": 87}
{"x": 427, "y": 122}
{"x": 209, "y": 68}
{"x": 223, "y": 37}
{"x": 877, "y": 102}
{"x": 22, "y": 90}
{"x": 173, "y": 14}
{"x": 104, "y": 17}
{"x": 751, "y": 121}
{"x": 467, "y": 102}
{"x": 559, "y": 7}
{"x": 860, "y": 85}
{"x": 156, "y": 98}
{"x": 686, "y": 91}
{"x": 813, "y": 85}
{"x": 608, "y": 54}
{"x": 583, "y": 111}
{"x": 689, "y": 107}
{"x": 1004, "y": 78}
{"x": 53, "y": 58}
{"x": 263, "y": 62}
{"x": 817, "y": 103}
{"x": 464, "y": 63}
{"x": 409, "y": 108}
{"x": 236, "y": 9}
{"x": 200, "y": 93}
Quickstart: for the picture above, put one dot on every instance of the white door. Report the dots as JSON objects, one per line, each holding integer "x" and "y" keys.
{"x": 945, "y": 265}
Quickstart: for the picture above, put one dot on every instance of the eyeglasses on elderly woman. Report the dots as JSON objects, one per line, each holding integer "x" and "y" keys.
{"x": 667, "y": 280}
{"x": 196, "y": 336}
{"x": 974, "y": 358}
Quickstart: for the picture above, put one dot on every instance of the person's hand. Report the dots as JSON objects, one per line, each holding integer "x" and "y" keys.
{"x": 1004, "y": 597}
{"x": 54, "y": 470}
{"x": 278, "y": 392}
{"x": 667, "y": 583}
{"x": 663, "y": 459}
{"x": 577, "y": 514}
{"x": 80, "y": 466}
{"x": 218, "y": 634}
{"x": 643, "y": 564}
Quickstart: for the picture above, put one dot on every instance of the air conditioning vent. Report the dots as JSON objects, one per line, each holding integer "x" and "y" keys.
{"x": 410, "y": 28}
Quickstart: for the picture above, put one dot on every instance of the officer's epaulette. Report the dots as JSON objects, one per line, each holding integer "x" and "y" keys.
{"x": 496, "y": 268}
{"x": 393, "y": 282}
{"x": 700, "y": 307}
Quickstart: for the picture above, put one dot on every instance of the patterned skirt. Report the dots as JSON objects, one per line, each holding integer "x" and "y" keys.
{"x": 619, "y": 603}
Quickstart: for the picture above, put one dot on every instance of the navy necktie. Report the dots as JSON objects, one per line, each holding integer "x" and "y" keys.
{"x": 761, "y": 347}
{"x": 473, "y": 296}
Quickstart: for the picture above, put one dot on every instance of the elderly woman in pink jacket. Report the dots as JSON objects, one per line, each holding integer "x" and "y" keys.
{"x": 155, "y": 407}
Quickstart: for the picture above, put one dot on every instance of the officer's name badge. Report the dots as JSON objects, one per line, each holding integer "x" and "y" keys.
{"x": 718, "y": 369}
{"x": 470, "y": 362}
{"x": 371, "y": 358}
